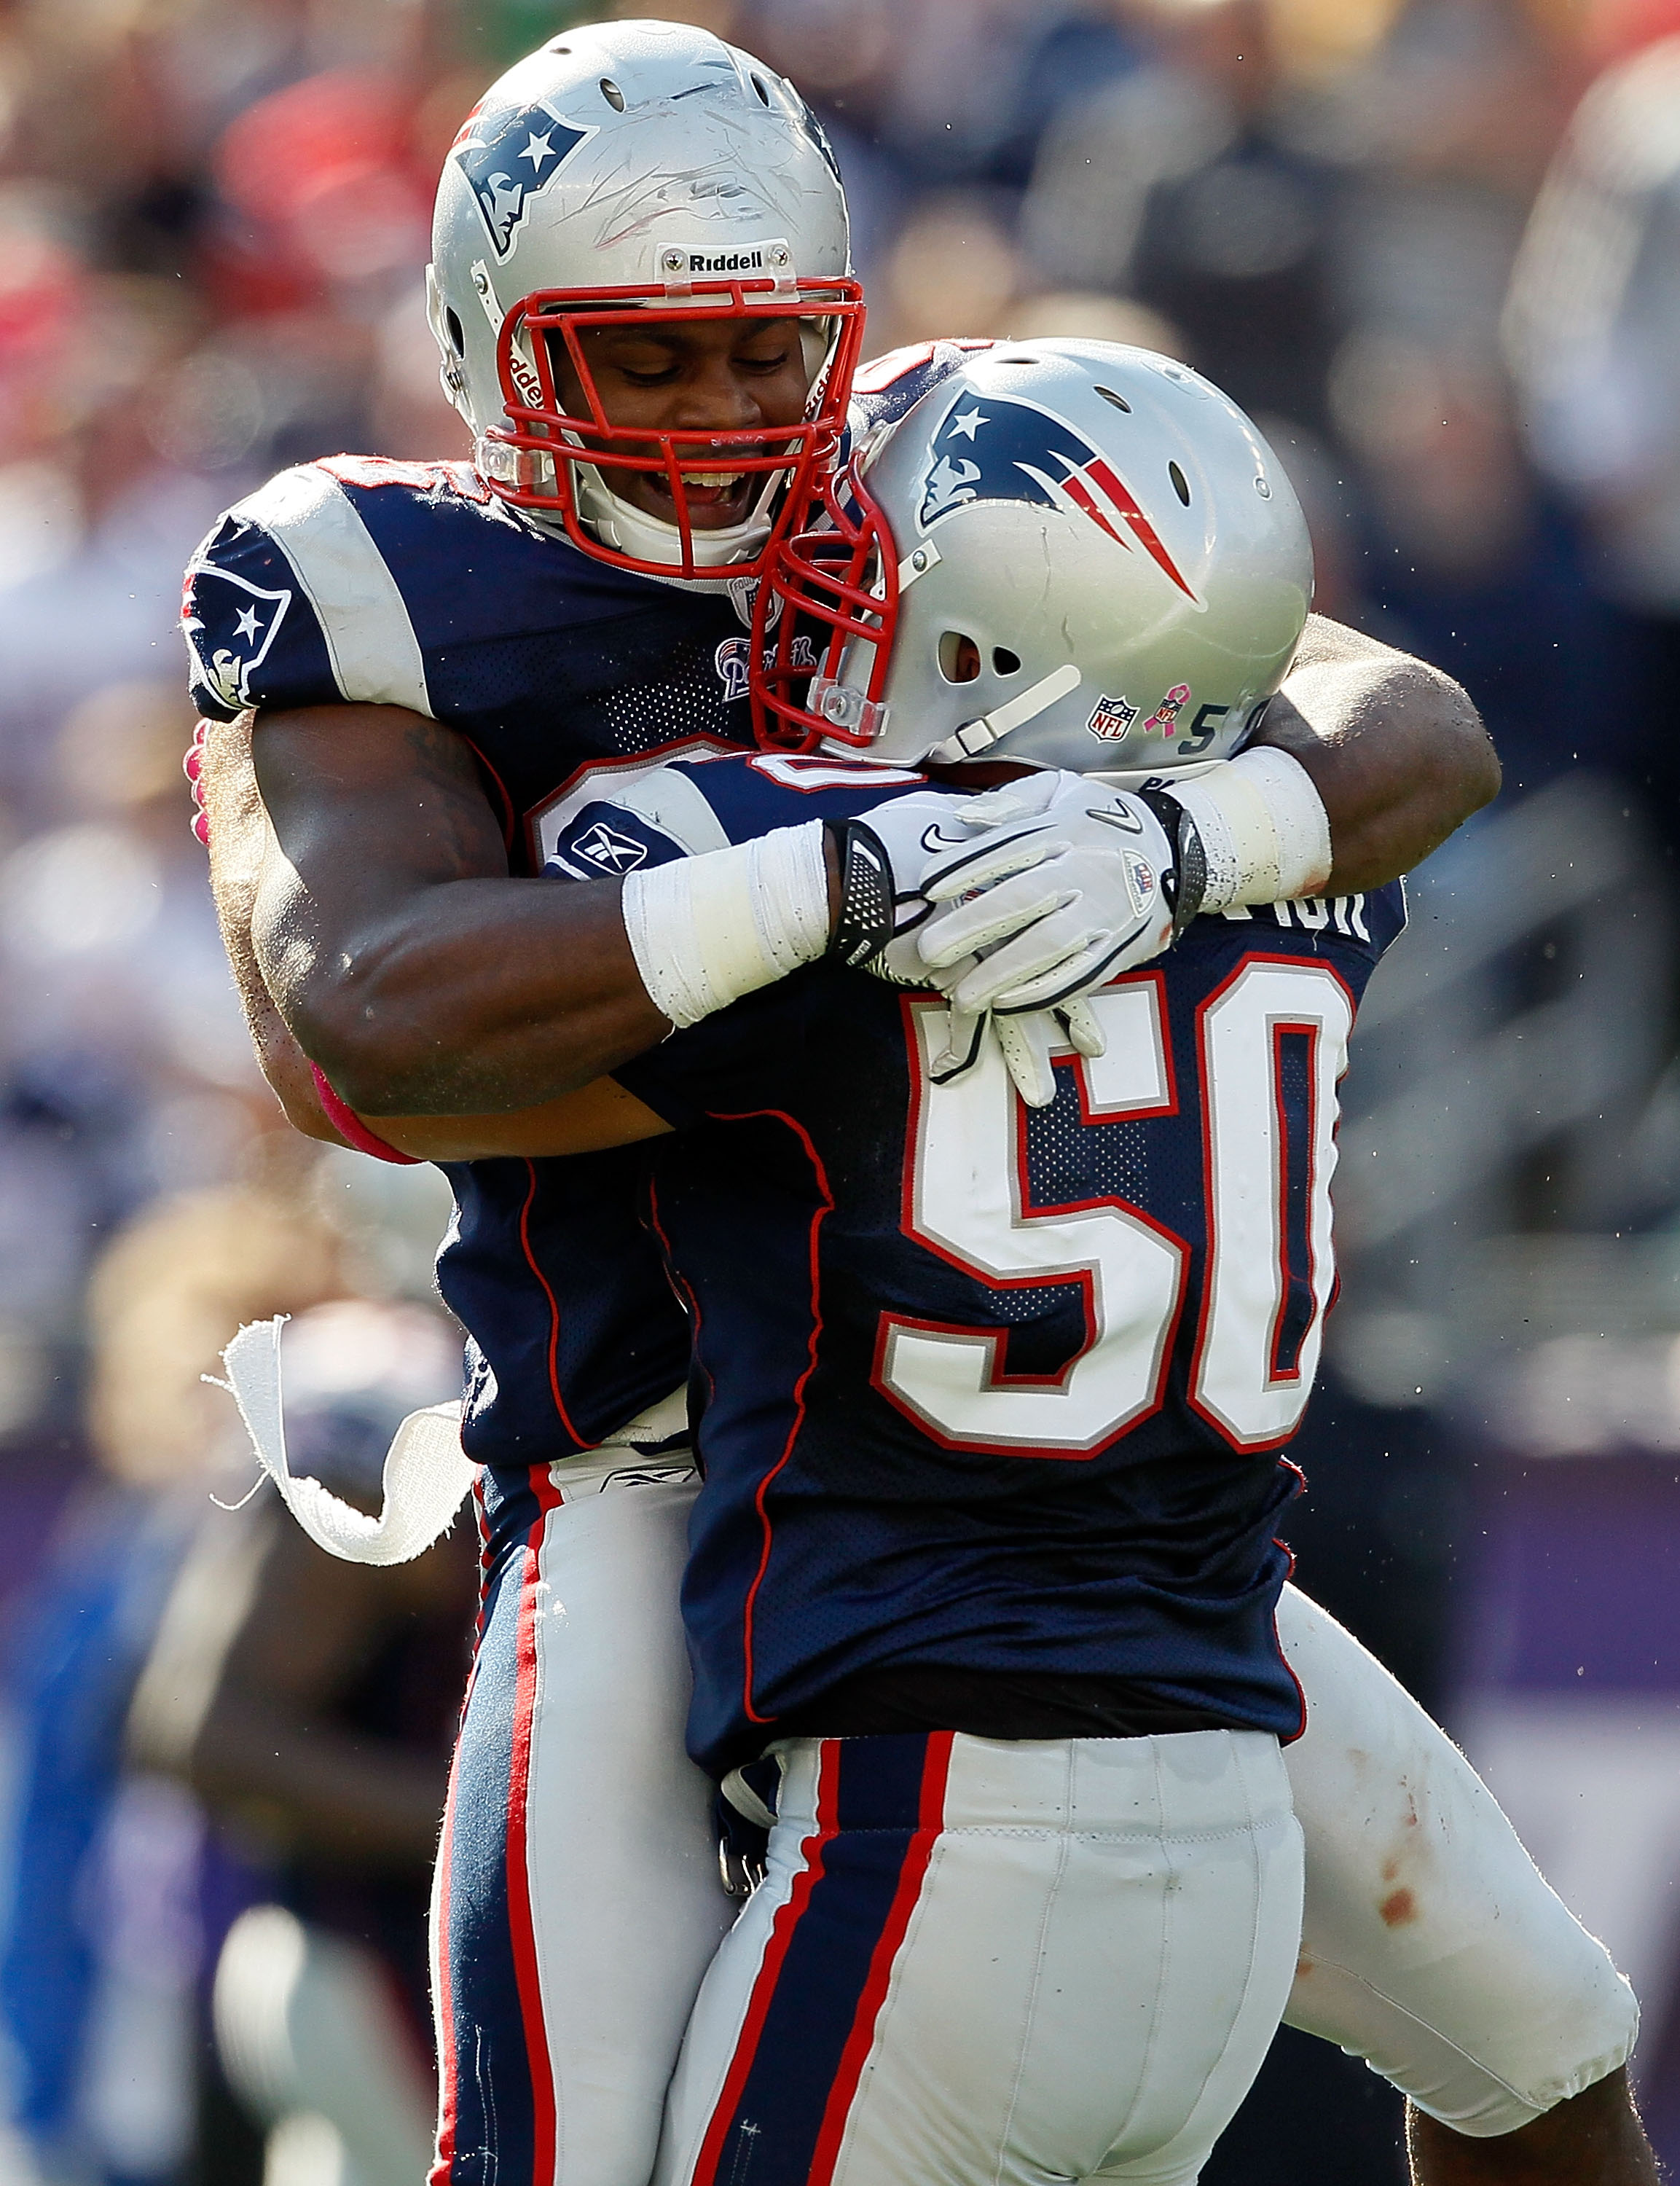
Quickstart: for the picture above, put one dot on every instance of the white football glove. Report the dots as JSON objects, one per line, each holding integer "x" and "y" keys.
{"x": 1093, "y": 879}
{"x": 1026, "y": 1042}
{"x": 1055, "y": 886}
{"x": 1054, "y": 902}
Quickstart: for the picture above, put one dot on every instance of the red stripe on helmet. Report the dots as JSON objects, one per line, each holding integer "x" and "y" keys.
{"x": 1139, "y": 522}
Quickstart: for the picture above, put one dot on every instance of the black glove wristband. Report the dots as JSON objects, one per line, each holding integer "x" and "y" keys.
{"x": 1187, "y": 883}
{"x": 865, "y": 924}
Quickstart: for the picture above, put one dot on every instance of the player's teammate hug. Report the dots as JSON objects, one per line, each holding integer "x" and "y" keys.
{"x": 890, "y": 1101}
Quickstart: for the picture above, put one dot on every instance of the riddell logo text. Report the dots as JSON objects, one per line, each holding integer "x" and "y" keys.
{"x": 726, "y": 261}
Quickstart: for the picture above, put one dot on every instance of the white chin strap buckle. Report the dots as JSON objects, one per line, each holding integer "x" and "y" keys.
{"x": 975, "y": 737}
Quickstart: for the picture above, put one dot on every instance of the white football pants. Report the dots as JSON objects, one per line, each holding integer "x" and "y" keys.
{"x": 590, "y": 1907}
{"x": 975, "y": 1962}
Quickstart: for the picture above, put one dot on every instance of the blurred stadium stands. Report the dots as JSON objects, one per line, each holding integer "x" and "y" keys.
{"x": 1435, "y": 247}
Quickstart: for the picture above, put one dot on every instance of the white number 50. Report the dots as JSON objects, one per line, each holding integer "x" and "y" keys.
{"x": 1272, "y": 1043}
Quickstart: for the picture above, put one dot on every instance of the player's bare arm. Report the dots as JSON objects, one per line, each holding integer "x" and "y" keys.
{"x": 403, "y": 958}
{"x": 446, "y": 986}
{"x": 1593, "y": 2138}
{"x": 602, "y": 1114}
{"x": 1395, "y": 749}
{"x": 238, "y": 843}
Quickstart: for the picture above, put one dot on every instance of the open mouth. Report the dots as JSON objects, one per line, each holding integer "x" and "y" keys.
{"x": 715, "y": 498}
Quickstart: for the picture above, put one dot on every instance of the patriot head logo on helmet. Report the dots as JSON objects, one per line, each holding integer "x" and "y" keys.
{"x": 1056, "y": 538}
{"x": 508, "y": 157}
{"x": 1011, "y": 451}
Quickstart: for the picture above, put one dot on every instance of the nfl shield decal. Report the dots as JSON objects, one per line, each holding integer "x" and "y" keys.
{"x": 994, "y": 448}
{"x": 1111, "y": 718}
{"x": 230, "y": 624}
{"x": 509, "y": 158}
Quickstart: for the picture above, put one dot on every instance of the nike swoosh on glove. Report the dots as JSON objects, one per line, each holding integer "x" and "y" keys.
{"x": 1053, "y": 909}
{"x": 905, "y": 854}
{"x": 1054, "y": 902}
{"x": 938, "y": 845}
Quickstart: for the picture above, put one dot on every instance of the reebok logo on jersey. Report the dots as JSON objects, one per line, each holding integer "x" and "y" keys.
{"x": 605, "y": 847}
{"x": 508, "y": 159}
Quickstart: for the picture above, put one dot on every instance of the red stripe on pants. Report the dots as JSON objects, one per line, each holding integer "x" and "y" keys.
{"x": 930, "y": 1820}
{"x": 521, "y": 1924}
{"x": 786, "y": 1920}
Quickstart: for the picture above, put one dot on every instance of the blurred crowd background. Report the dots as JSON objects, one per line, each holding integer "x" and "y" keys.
{"x": 1434, "y": 246}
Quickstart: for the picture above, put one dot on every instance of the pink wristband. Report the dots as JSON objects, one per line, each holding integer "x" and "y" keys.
{"x": 352, "y": 1127}
{"x": 192, "y": 767}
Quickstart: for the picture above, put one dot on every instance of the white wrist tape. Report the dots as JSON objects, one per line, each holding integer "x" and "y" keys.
{"x": 1264, "y": 831}
{"x": 706, "y": 930}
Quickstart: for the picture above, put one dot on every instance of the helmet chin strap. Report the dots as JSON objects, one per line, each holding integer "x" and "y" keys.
{"x": 620, "y": 522}
{"x": 975, "y": 737}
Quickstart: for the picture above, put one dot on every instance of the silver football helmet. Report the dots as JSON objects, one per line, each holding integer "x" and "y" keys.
{"x": 1080, "y": 554}
{"x": 627, "y": 167}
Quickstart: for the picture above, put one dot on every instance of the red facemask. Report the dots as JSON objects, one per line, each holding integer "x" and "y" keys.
{"x": 535, "y": 476}
{"x": 840, "y": 577}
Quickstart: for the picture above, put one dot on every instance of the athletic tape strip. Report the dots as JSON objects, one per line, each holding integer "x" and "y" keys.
{"x": 427, "y": 1474}
{"x": 1265, "y": 832}
{"x": 706, "y": 930}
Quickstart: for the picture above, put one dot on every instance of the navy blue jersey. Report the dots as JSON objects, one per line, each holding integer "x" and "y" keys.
{"x": 357, "y": 579}
{"x": 986, "y": 1387}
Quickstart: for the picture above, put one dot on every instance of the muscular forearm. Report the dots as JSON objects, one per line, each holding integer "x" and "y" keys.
{"x": 401, "y": 955}
{"x": 1395, "y": 749}
{"x": 481, "y": 995}
{"x": 239, "y": 834}
{"x": 423, "y": 979}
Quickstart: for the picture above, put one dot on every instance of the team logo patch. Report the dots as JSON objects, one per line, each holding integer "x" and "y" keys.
{"x": 509, "y": 158}
{"x": 230, "y": 625}
{"x": 733, "y": 658}
{"x": 1111, "y": 718}
{"x": 1165, "y": 715}
{"x": 998, "y": 449}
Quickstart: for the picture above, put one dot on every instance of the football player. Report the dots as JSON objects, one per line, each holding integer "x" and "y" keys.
{"x": 1432, "y": 1983}
{"x": 348, "y": 583}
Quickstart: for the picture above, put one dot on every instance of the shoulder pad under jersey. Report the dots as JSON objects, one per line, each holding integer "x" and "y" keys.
{"x": 288, "y": 603}
{"x": 622, "y": 814}
{"x": 340, "y": 579}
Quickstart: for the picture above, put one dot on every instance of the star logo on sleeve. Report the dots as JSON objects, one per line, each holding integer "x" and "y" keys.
{"x": 230, "y": 625}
